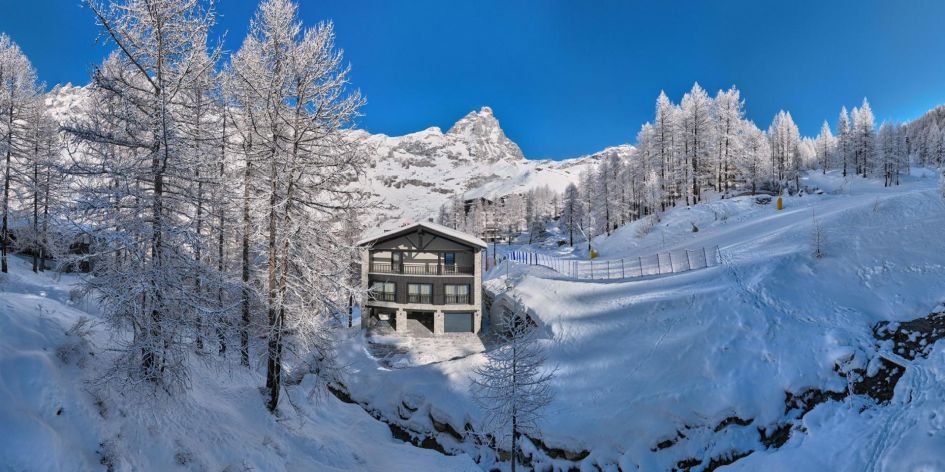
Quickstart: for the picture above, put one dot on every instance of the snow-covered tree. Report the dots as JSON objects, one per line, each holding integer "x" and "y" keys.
{"x": 571, "y": 212}
{"x": 695, "y": 124}
{"x": 785, "y": 141}
{"x": 663, "y": 145}
{"x": 18, "y": 95}
{"x": 514, "y": 385}
{"x": 844, "y": 138}
{"x": 755, "y": 164}
{"x": 297, "y": 106}
{"x": 729, "y": 117}
{"x": 864, "y": 139}
{"x": 825, "y": 145}
{"x": 138, "y": 202}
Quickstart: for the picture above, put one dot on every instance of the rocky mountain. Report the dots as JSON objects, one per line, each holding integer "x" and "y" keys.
{"x": 411, "y": 176}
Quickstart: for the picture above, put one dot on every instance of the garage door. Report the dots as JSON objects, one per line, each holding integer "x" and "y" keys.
{"x": 458, "y": 322}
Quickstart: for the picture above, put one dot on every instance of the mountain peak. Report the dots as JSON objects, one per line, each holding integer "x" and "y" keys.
{"x": 481, "y": 131}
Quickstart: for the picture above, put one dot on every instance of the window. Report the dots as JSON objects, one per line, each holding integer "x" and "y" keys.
{"x": 384, "y": 291}
{"x": 449, "y": 258}
{"x": 456, "y": 294}
{"x": 396, "y": 258}
{"x": 419, "y": 293}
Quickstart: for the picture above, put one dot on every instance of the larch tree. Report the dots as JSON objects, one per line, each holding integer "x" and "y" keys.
{"x": 695, "y": 123}
{"x": 825, "y": 144}
{"x": 137, "y": 195}
{"x": 844, "y": 137}
{"x": 664, "y": 133}
{"x": 18, "y": 95}
{"x": 298, "y": 108}
{"x": 514, "y": 385}
{"x": 729, "y": 114}
{"x": 864, "y": 139}
{"x": 571, "y": 211}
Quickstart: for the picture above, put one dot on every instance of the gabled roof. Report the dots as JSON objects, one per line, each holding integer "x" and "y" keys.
{"x": 441, "y": 230}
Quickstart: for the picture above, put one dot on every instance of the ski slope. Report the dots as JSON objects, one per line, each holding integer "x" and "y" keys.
{"x": 675, "y": 358}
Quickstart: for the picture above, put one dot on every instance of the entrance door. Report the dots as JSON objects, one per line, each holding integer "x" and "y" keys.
{"x": 458, "y": 322}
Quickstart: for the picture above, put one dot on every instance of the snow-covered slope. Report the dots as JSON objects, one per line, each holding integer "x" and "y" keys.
{"x": 696, "y": 368}
{"x": 57, "y": 415}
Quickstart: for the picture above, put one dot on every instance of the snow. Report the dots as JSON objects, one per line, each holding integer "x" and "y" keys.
{"x": 641, "y": 361}
{"x": 56, "y": 414}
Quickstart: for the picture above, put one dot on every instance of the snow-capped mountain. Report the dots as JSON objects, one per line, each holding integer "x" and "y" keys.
{"x": 417, "y": 173}
{"x": 412, "y": 176}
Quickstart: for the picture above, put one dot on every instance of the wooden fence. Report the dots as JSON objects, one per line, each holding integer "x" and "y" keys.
{"x": 671, "y": 262}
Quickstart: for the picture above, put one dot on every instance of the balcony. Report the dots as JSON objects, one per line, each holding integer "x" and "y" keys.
{"x": 456, "y": 299}
{"x": 421, "y": 268}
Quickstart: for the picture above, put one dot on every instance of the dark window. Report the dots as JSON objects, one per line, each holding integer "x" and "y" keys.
{"x": 449, "y": 258}
{"x": 419, "y": 293}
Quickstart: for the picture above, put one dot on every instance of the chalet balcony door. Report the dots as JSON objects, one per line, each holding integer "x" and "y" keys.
{"x": 397, "y": 262}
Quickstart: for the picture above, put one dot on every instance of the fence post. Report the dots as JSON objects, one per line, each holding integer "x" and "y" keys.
{"x": 705, "y": 255}
{"x": 641, "y": 265}
{"x": 719, "y": 251}
{"x": 671, "y": 267}
{"x": 623, "y": 268}
{"x": 608, "y": 268}
{"x": 688, "y": 260}
{"x": 592, "y": 270}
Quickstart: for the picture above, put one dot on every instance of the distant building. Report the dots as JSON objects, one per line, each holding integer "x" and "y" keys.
{"x": 423, "y": 272}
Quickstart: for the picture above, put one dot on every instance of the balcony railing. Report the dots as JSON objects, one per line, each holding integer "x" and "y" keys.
{"x": 384, "y": 296}
{"x": 421, "y": 268}
{"x": 418, "y": 298}
{"x": 456, "y": 299}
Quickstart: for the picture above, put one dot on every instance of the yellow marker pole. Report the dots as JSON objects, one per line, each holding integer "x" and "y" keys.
{"x": 780, "y": 204}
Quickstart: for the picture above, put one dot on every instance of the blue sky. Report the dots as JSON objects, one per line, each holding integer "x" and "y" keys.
{"x": 570, "y": 78}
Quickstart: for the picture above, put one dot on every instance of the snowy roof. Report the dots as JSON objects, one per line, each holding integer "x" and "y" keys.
{"x": 431, "y": 227}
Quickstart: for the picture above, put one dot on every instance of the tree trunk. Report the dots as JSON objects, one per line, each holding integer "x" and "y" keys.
{"x": 244, "y": 322}
{"x": 4, "y": 228}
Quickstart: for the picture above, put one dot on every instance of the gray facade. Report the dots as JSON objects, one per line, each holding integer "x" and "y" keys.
{"x": 423, "y": 272}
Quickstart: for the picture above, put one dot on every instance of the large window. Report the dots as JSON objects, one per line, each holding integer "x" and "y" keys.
{"x": 384, "y": 291}
{"x": 456, "y": 294}
{"x": 419, "y": 293}
{"x": 449, "y": 258}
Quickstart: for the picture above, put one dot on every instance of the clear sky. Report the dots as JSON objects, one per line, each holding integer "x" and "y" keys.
{"x": 570, "y": 78}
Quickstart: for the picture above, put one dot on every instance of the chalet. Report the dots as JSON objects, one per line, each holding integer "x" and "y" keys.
{"x": 423, "y": 272}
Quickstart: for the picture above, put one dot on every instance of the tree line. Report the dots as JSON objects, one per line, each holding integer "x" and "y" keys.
{"x": 211, "y": 196}
{"x": 706, "y": 145}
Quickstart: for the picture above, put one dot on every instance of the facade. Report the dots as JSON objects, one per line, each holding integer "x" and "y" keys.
{"x": 423, "y": 272}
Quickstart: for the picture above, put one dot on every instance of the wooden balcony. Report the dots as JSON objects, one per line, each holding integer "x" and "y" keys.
{"x": 421, "y": 268}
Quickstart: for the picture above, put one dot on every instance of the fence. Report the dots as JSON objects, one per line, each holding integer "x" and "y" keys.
{"x": 671, "y": 262}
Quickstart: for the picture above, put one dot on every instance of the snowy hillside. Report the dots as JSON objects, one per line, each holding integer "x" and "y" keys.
{"x": 57, "y": 415}
{"x": 761, "y": 363}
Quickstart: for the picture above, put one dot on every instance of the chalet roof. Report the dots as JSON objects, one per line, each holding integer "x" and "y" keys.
{"x": 441, "y": 230}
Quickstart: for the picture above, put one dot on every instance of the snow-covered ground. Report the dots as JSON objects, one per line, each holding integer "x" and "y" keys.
{"x": 675, "y": 358}
{"x": 650, "y": 373}
{"x": 56, "y": 415}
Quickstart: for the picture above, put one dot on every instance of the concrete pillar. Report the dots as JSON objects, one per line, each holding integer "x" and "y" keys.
{"x": 477, "y": 321}
{"x": 438, "y": 320}
{"x": 365, "y": 312}
{"x": 400, "y": 321}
